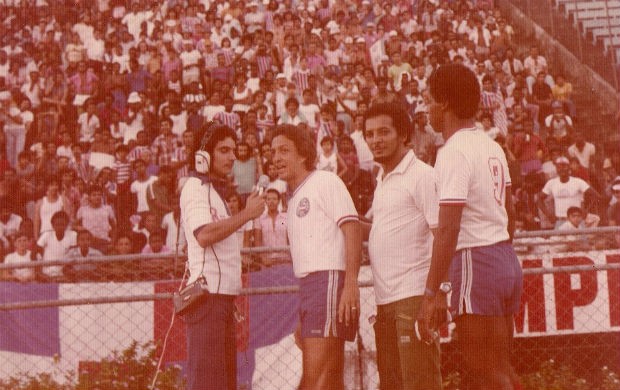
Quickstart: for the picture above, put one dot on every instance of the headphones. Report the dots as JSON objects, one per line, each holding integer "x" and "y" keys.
{"x": 202, "y": 158}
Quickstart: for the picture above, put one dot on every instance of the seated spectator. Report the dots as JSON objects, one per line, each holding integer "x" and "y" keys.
{"x": 558, "y": 125}
{"x": 9, "y": 227}
{"x": 563, "y": 92}
{"x": 566, "y": 191}
{"x": 329, "y": 159}
{"x": 98, "y": 219}
{"x": 55, "y": 244}
{"x": 48, "y": 206}
{"x": 21, "y": 255}
{"x": 529, "y": 149}
{"x": 582, "y": 150}
{"x": 486, "y": 120}
{"x": 140, "y": 185}
{"x": 576, "y": 219}
{"x": 577, "y": 170}
{"x": 613, "y": 209}
{"x": 156, "y": 244}
{"x": 148, "y": 224}
{"x": 292, "y": 115}
{"x": 160, "y": 193}
{"x": 83, "y": 250}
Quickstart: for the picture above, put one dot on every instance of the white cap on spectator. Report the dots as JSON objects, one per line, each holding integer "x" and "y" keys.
{"x": 5, "y": 95}
{"x": 393, "y": 33}
{"x": 367, "y": 2}
{"x": 228, "y": 18}
{"x": 348, "y": 40}
{"x": 316, "y": 31}
{"x": 280, "y": 76}
{"x": 134, "y": 97}
{"x": 301, "y": 7}
{"x": 171, "y": 22}
{"x": 334, "y": 30}
{"x": 561, "y": 160}
{"x": 385, "y": 58}
{"x": 265, "y": 2}
{"x": 607, "y": 163}
{"x": 311, "y": 8}
{"x": 167, "y": 37}
{"x": 360, "y": 40}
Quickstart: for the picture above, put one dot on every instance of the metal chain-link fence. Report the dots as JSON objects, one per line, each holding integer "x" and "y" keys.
{"x": 570, "y": 315}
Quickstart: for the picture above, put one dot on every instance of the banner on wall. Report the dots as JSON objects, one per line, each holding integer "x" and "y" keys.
{"x": 57, "y": 339}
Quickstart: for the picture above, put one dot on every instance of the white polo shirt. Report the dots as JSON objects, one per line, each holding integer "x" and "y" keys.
{"x": 317, "y": 209}
{"x": 196, "y": 211}
{"x": 404, "y": 209}
{"x": 472, "y": 171}
{"x": 565, "y": 195}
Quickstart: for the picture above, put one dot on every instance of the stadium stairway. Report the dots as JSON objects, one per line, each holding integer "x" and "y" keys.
{"x": 595, "y": 109}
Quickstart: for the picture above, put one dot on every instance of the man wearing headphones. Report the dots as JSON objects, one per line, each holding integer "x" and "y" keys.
{"x": 214, "y": 254}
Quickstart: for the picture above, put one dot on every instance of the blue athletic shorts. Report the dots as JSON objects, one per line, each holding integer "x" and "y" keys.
{"x": 319, "y": 295}
{"x": 486, "y": 280}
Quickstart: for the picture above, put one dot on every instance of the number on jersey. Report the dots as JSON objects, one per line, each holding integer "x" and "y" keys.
{"x": 499, "y": 179}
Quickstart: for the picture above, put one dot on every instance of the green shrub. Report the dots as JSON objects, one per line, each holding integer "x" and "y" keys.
{"x": 132, "y": 368}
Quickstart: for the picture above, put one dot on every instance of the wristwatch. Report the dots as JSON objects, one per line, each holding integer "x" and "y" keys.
{"x": 445, "y": 287}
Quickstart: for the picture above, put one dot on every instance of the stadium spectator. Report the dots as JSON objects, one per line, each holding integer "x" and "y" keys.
{"x": 559, "y": 125}
{"x": 566, "y": 191}
{"x": 141, "y": 184}
{"x": 48, "y": 206}
{"x": 54, "y": 244}
{"x": 143, "y": 63}
{"x": 21, "y": 255}
{"x": 582, "y": 150}
{"x": 98, "y": 219}
{"x": 82, "y": 250}
{"x": 160, "y": 193}
{"x": 576, "y": 220}
{"x": 270, "y": 230}
{"x": 9, "y": 227}
{"x": 528, "y": 148}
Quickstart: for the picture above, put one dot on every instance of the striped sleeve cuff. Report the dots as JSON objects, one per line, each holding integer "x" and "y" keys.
{"x": 452, "y": 201}
{"x": 347, "y": 218}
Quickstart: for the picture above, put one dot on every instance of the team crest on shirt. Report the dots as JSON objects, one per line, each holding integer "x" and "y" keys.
{"x": 303, "y": 207}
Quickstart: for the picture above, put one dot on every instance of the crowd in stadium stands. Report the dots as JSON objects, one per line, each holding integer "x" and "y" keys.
{"x": 102, "y": 103}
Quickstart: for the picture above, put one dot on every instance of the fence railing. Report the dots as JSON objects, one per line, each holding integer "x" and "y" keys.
{"x": 570, "y": 313}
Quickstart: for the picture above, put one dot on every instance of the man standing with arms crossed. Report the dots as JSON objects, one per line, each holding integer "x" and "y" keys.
{"x": 404, "y": 208}
{"x": 472, "y": 245}
{"x": 214, "y": 254}
{"x": 325, "y": 240}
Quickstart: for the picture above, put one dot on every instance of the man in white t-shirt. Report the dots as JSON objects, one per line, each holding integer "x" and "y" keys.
{"x": 325, "y": 237}
{"x": 405, "y": 209}
{"x": 21, "y": 255}
{"x": 141, "y": 185}
{"x": 54, "y": 244}
{"x": 213, "y": 253}
{"x": 566, "y": 191}
{"x": 582, "y": 150}
{"x": 472, "y": 244}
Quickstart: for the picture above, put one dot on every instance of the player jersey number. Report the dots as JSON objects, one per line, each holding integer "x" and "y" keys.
{"x": 499, "y": 179}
